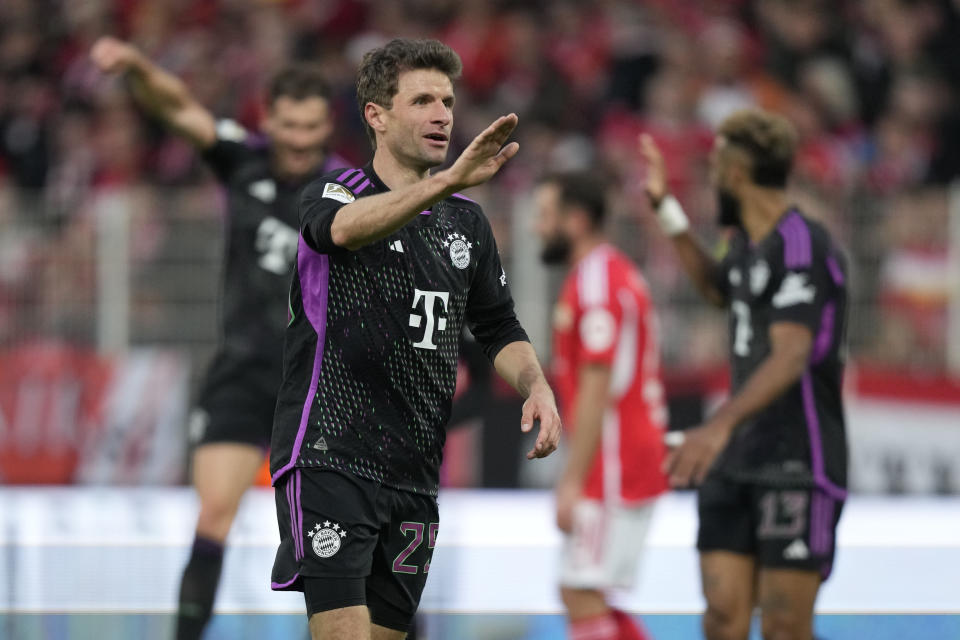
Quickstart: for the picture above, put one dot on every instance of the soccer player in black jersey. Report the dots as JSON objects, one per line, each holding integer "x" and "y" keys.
{"x": 771, "y": 462}
{"x": 392, "y": 262}
{"x": 262, "y": 177}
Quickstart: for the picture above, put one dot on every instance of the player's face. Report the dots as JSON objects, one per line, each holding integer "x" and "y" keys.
{"x": 549, "y": 225}
{"x": 299, "y": 130}
{"x": 416, "y": 128}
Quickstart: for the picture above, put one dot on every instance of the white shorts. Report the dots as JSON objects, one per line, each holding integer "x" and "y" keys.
{"x": 604, "y": 549}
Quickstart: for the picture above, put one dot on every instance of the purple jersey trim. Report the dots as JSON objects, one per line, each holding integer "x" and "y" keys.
{"x": 463, "y": 197}
{"x": 824, "y": 340}
{"x": 314, "y": 273}
{"x": 835, "y": 271}
{"x": 796, "y": 241}
{"x": 363, "y": 185}
{"x": 355, "y": 179}
{"x": 816, "y": 446}
{"x": 343, "y": 176}
{"x": 426, "y": 212}
{"x": 276, "y": 586}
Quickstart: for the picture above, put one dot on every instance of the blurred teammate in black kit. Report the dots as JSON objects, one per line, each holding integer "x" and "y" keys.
{"x": 391, "y": 264}
{"x": 262, "y": 178}
{"x": 771, "y": 463}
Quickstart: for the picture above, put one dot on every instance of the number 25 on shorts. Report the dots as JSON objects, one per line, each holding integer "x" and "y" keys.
{"x": 416, "y": 530}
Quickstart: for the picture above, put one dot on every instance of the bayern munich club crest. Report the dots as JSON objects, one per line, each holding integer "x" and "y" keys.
{"x": 459, "y": 250}
{"x": 327, "y": 538}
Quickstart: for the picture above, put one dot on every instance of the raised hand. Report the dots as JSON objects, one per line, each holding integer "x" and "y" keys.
{"x": 486, "y": 154}
{"x": 113, "y": 56}
{"x": 656, "y": 185}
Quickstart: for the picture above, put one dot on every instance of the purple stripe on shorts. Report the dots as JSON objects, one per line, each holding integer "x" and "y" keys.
{"x": 314, "y": 272}
{"x": 835, "y": 271}
{"x": 293, "y": 521}
{"x": 349, "y": 172}
{"x": 816, "y": 446}
{"x": 299, "y": 518}
{"x": 276, "y": 586}
{"x": 363, "y": 185}
{"x": 355, "y": 179}
{"x": 824, "y": 340}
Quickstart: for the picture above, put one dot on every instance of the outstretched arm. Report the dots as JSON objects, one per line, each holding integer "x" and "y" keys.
{"x": 367, "y": 220}
{"x": 161, "y": 93}
{"x": 517, "y": 364}
{"x": 700, "y": 266}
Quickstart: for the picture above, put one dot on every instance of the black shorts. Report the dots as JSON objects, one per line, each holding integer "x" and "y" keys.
{"x": 783, "y": 528}
{"x": 236, "y": 404}
{"x": 347, "y": 541}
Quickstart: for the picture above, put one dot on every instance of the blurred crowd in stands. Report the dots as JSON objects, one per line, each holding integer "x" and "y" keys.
{"x": 872, "y": 86}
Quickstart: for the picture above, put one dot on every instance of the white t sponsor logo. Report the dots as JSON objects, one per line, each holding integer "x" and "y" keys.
{"x": 794, "y": 290}
{"x": 416, "y": 320}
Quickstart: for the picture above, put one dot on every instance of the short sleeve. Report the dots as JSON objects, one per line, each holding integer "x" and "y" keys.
{"x": 229, "y": 150}
{"x": 319, "y": 203}
{"x": 490, "y": 310}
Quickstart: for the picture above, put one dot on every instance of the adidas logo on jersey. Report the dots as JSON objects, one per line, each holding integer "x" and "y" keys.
{"x": 321, "y": 444}
{"x": 796, "y": 550}
{"x": 794, "y": 290}
{"x": 396, "y": 246}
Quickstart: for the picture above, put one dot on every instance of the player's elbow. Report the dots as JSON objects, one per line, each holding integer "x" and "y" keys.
{"x": 341, "y": 237}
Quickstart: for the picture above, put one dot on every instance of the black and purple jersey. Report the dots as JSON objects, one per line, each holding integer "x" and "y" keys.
{"x": 259, "y": 252}
{"x": 796, "y": 274}
{"x": 370, "y": 354}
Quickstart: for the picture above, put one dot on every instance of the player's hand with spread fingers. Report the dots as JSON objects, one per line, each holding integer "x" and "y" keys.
{"x": 687, "y": 465}
{"x": 481, "y": 160}
{"x": 114, "y": 56}
{"x": 541, "y": 406}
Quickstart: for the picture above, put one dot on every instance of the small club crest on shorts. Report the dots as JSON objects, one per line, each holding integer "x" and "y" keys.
{"x": 459, "y": 250}
{"x": 327, "y": 538}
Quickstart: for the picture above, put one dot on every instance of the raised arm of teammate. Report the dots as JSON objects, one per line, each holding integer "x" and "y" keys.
{"x": 517, "y": 364}
{"x": 702, "y": 268}
{"x": 369, "y": 219}
{"x": 158, "y": 91}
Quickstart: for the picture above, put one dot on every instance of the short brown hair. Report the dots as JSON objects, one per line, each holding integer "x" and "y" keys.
{"x": 768, "y": 139}
{"x": 298, "y": 81}
{"x": 379, "y": 74}
{"x": 583, "y": 189}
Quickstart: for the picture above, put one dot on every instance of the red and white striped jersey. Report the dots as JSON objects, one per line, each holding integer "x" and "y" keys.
{"x": 605, "y": 316}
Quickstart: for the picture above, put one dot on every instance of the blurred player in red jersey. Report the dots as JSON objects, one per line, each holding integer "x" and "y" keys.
{"x": 607, "y": 368}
